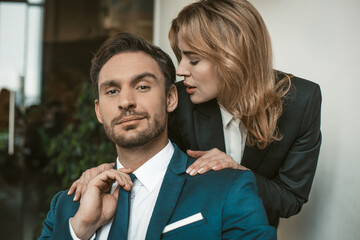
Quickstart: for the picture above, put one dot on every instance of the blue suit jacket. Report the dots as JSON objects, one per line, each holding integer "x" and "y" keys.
{"x": 227, "y": 199}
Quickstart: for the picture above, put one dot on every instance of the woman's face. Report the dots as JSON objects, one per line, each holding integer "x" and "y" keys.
{"x": 201, "y": 84}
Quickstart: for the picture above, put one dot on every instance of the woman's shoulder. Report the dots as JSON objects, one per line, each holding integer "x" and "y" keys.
{"x": 300, "y": 91}
{"x": 303, "y": 96}
{"x": 298, "y": 84}
{"x": 301, "y": 84}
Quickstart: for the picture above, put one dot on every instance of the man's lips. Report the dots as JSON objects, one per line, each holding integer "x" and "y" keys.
{"x": 129, "y": 120}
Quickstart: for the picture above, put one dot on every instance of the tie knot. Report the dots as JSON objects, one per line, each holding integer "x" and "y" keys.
{"x": 132, "y": 176}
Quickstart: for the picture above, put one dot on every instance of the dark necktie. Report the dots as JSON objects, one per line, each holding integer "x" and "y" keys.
{"x": 119, "y": 227}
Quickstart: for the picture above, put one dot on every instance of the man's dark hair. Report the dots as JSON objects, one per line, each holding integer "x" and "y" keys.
{"x": 127, "y": 42}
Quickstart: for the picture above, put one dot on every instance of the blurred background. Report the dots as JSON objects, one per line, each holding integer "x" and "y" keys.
{"x": 49, "y": 133}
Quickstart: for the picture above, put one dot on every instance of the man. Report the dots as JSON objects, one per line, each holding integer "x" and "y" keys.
{"x": 134, "y": 84}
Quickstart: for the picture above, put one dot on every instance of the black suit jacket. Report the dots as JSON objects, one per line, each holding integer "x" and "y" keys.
{"x": 284, "y": 170}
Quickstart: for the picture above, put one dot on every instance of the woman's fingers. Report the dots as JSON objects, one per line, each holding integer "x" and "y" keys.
{"x": 195, "y": 154}
{"x": 212, "y": 160}
{"x": 73, "y": 187}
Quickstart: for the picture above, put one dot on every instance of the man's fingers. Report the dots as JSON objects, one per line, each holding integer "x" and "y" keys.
{"x": 83, "y": 190}
{"x": 86, "y": 177}
{"x": 116, "y": 193}
{"x": 125, "y": 170}
{"x": 123, "y": 178}
{"x": 106, "y": 166}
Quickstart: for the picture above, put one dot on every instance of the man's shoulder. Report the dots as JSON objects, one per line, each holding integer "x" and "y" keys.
{"x": 224, "y": 177}
{"x": 222, "y": 181}
{"x": 63, "y": 203}
{"x": 229, "y": 175}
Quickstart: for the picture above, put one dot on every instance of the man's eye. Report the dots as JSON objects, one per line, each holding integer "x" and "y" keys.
{"x": 111, "y": 92}
{"x": 143, "y": 87}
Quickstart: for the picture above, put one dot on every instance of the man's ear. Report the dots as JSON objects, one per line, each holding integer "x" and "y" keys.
{"x": 97, "y": 111}
{"x": 172, "y": 99}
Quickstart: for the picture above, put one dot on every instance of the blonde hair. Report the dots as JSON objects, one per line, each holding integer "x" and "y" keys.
{"x": 233, "y": 35}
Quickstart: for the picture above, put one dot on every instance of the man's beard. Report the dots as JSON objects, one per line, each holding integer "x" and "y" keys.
{"x": 153, "y": 130}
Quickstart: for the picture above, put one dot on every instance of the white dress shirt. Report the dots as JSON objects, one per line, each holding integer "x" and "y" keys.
{"x": 235, "y": 135}
{"x": 144, "y": 193}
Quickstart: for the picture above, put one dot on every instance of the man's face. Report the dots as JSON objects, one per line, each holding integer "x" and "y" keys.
{"x": 132, "y": 103}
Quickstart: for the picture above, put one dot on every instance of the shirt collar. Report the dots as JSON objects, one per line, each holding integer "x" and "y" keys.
{"x": 153, "y": 170}
{"x": 225, "y": 116}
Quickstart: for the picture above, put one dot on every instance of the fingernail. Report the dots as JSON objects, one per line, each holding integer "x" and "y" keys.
{"x": 188, "y": 170}
{"x": 192, "y": 173}
{"x": 201, "y": 170}
{"x": 75, "y": 198}
{"x": 68, "y": 193}
{"x": 214, "y": 167}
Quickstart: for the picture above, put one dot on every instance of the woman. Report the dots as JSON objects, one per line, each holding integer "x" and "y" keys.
{"x": 231, "y": 100}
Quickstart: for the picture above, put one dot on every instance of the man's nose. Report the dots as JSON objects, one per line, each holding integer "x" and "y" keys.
{"x": 126, "y": 99}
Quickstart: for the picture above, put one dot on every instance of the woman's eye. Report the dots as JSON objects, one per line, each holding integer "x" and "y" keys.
{"x": 194, "y": 62}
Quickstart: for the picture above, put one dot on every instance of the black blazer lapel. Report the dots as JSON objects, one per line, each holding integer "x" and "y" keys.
{"x": 253, "y": 157}
{"x": 169, "y": 194}
{"x": 208, "y": 126}
{"x": 209, "y": 134}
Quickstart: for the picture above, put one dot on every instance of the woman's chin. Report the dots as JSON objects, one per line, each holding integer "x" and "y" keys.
{"x": 196, "y": 99}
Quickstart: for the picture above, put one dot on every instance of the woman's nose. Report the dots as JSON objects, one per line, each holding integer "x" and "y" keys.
{"x": 182, "y": 70}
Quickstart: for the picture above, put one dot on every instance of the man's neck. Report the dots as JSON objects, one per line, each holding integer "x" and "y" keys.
{"x": 135, "y": 157}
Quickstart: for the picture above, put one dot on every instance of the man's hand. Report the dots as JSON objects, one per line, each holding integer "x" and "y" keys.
{"x": 98, "y": 205}
{"x": 79, "y": 186}
{"x": 213, "y": 159}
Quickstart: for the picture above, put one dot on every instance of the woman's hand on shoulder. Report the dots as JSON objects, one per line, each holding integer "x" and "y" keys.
{"x": 79, "y": 186}
{"x": 213, "y": 159}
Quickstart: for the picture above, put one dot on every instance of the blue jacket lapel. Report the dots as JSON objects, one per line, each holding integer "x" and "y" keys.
{"x": 169, "y": 194}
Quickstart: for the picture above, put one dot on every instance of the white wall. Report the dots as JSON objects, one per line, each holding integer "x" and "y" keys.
{"x": 318, "y": 40}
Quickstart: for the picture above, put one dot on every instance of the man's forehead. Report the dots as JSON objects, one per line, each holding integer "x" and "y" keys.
{"x": 128, "y": 64}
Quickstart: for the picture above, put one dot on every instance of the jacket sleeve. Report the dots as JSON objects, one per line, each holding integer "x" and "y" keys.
{"x": 50, "y": 230}
{"x": 285, "y": 194}
{"x": 243, "y": 214}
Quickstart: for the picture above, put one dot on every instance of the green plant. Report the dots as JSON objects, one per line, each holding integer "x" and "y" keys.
{"x": 82, "y": 144}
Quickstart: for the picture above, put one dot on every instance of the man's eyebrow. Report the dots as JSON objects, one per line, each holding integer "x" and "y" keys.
{"x": 134, "y": 80}
{"x": 138, "y": 77}
{"x": 109, "y": 83}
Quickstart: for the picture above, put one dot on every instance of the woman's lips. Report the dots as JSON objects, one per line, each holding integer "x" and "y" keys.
{"x": 189, "y": 88}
